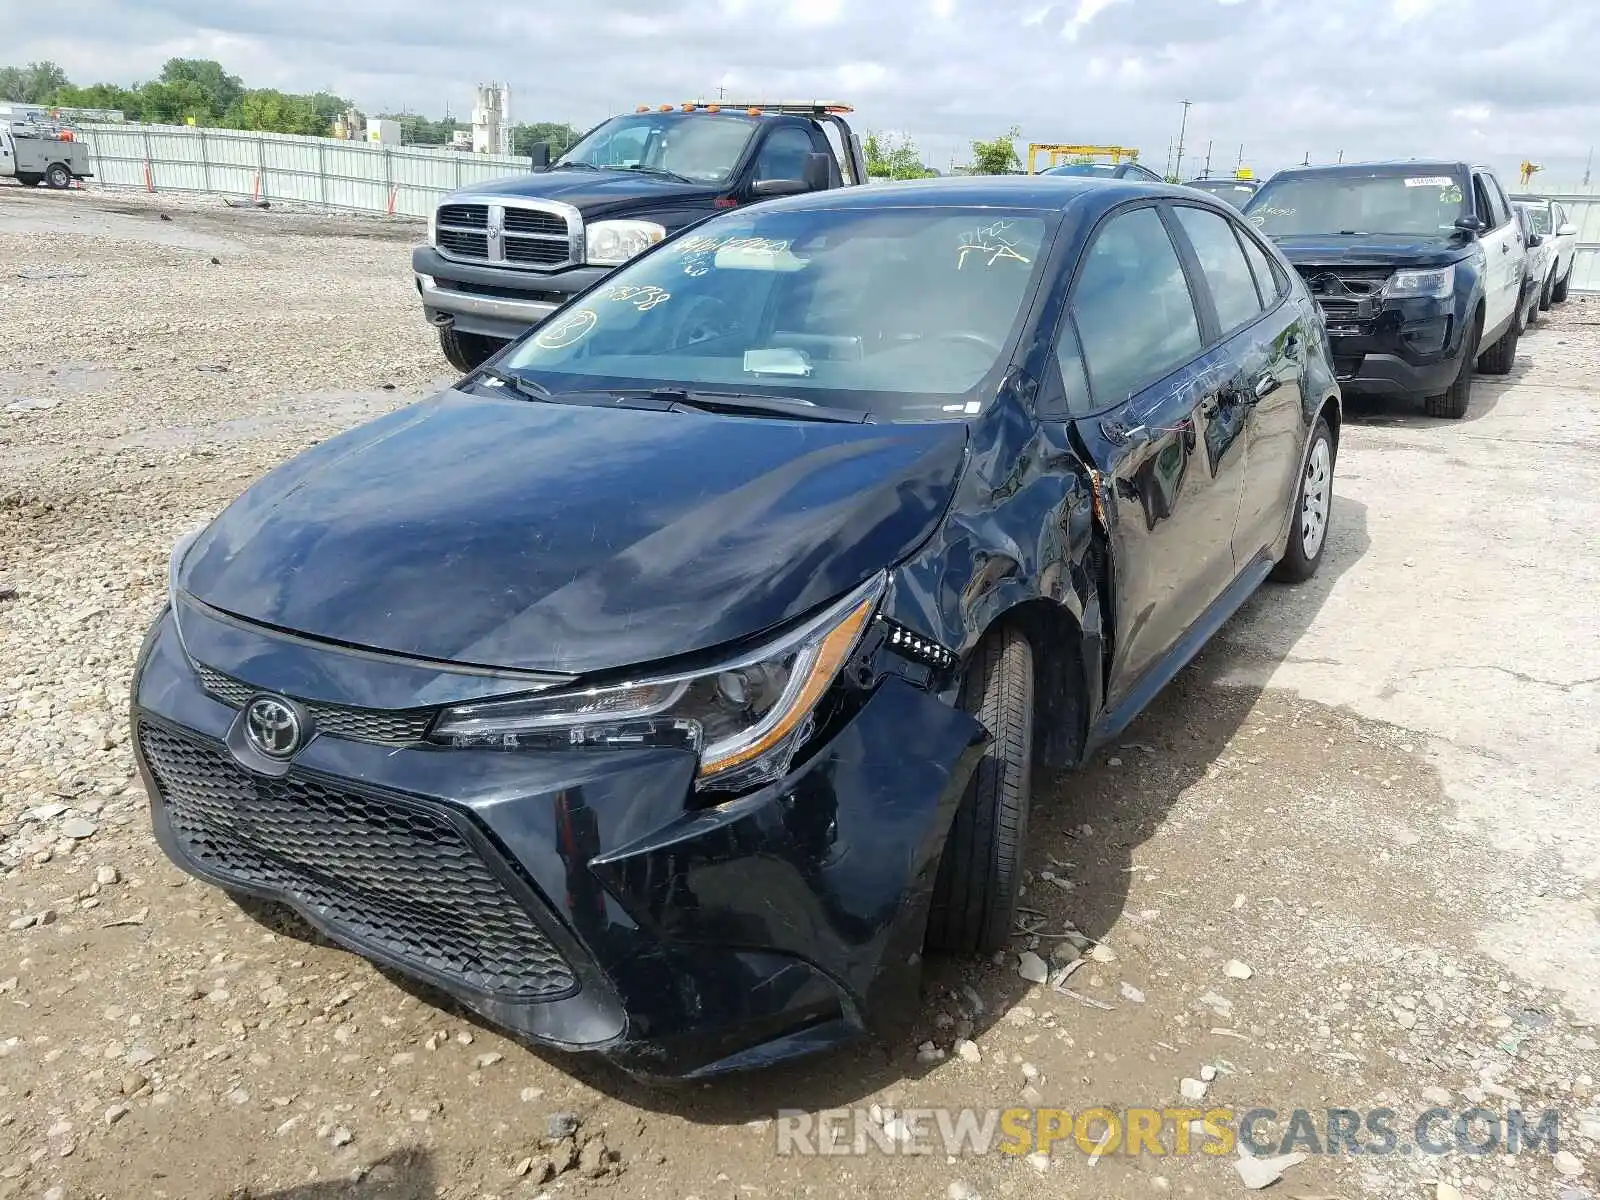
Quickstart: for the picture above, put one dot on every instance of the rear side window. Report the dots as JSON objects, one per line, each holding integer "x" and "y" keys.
{"x": 783, "y": 154}
{"x": 1233, "y": 287}
{"x": 1135, "y": 316}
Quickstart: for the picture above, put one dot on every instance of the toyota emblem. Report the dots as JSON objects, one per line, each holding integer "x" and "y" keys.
{"x": 272, "y": 727}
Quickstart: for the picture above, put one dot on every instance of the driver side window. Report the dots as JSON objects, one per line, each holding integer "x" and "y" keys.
{"x": 783, "y": 154}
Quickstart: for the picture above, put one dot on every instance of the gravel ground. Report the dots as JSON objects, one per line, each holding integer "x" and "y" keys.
{"x": 1349, "y": 860}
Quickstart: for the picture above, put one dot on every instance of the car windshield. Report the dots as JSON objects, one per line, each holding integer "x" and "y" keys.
{"x": 703, "y": 147}
{"x": 907, "y": 314}
{"x": 1236, "y": 194}
{"x": 1108, "y": 169}
{"x": 1416, "y": 201}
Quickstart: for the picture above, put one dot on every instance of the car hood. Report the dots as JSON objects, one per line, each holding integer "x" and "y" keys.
{"x": 1387, "y": 250}
{"x": 591, "y": 189}
{"x": 547, "y": 536}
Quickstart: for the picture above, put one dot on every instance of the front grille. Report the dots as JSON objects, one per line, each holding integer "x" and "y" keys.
{"x": 464, "y": 245}
{"x": 384, "y": 871}
{"x": 470, "y": 216}
{"x": 529, "y": 250}
{"x": 402, "y": 727}
{"x": 523, "y": 233}
{"x": 528, "y": 220}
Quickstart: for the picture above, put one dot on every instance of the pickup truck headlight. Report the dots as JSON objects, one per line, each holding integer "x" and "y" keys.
{"x": 610, "y": 243}
{"x": 1436, "y": 284}
{"x": 744, "y": 718}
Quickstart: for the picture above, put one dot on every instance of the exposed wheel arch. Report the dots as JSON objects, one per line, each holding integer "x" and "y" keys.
{"x": 1060, "y": 725}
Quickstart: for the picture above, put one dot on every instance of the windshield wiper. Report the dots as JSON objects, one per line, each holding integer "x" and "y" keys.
{"x": 576, "y": 164}
{"x": 735, "y": 403}
{"x": 661, "y": 172}
{"x": 526, "y": 388}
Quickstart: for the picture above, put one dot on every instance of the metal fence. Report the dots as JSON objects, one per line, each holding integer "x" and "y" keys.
{"x": 356, "y": 176}
{"x": 1583, "y": 210}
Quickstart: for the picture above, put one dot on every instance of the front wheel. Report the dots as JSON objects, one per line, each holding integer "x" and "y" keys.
{"x": 57, "y": 176}
{"x": 1559, "y": 294}
{"x": 975, "y": 894}
{"x": 1545, "y": 295}
{"x": 1313, "y": 507}
{"x": 467, "y": 351}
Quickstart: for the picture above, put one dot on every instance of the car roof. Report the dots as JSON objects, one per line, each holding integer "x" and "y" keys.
{"x": 1047, "y": 193}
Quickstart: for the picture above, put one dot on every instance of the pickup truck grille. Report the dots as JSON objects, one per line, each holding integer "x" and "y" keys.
{"x": 518, "y": 233}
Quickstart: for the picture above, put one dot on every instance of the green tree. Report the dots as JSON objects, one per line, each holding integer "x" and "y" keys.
{"x": 35, "y": 83}
{"x": 997, "y": 157}
{"x": 99, "y": 95}
{"x": 559, "y": 136}
{"x": 205, "y": 78}
{"x": 417, "y": 130}
{"x": 893, "y": 160}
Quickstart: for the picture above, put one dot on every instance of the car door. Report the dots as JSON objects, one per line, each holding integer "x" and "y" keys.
{"x": 1146, "y": 403}
{"x": 8, "y": 160}
{"x": 1261, "y": 352}
{"x": 782, "y": 154}
{"x": 1502, "y": 270}
{"x": 1566, "y": 246}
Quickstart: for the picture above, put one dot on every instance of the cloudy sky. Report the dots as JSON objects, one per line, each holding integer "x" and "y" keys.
{"x": 1371, "y": 78}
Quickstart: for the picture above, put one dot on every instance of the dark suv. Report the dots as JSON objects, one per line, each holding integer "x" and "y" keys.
{"x": 666, "y": 685}
{"x": 1417, "y": 266}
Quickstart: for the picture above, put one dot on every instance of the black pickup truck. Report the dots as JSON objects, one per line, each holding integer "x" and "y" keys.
{"x": 502, "y": 256}
{"x": 1417, "y": 267}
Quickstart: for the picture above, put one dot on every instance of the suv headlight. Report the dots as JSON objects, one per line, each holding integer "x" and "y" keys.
{"x": 744, "y": 718}
{"x": 609, "y": 243}
{"x": 1438, "y": 284}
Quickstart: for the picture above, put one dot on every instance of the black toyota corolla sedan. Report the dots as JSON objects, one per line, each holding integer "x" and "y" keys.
{"x": 668, "y": 685}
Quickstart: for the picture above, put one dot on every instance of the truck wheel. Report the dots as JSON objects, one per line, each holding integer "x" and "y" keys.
{"x": 1453, "y": 404}
{"x": 57, "y": 176}
{"x": 975, "y": 894}
{"x": 467, "y": 351}
{"x": 29, "y": 179}
{"x": 1559, "y": 294}
{"x": 1549, "y": 287}
{"x": 1499, "y": 358}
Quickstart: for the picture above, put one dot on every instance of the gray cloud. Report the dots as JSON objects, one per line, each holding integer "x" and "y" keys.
{"x": 1370, "y": 78}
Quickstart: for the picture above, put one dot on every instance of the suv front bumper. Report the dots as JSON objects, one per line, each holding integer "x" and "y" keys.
{"x": 496, "y": 302}
{"x": 1407, "y": 347}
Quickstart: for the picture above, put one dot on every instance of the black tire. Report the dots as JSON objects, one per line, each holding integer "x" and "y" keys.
{"x": 1558, "y": 295}
{"x": 1545, "y": 296}
{"x": 29, "y": 179}
{"x": 1296, "y": 565}
{"x": 1453, "y": 403}
{"x": 1499, "y": 358}
{"x": 975, "y": 894}
{"x": 468, "y": 351}
{"x": 57, "y": 176}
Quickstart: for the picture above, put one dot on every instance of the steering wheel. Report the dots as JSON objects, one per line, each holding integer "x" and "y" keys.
{"x": 970, "y": 336}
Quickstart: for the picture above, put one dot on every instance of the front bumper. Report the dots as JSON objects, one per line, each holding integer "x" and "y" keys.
{"x": 575, "y": 899}
{"x": 496, "y": 302}
{"x": 1401, "y": 347}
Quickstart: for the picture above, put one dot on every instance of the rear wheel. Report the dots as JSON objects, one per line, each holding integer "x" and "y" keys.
{"x": 1453, "y": 403}
{"x": 57, "y": 176}
{"x": 1558, "y": 294}
{"x": 975, "y": 893}
{"x": 467, "y": 351}
{"x": 1313, "y": 508}
{"x": 1499, "y": 358}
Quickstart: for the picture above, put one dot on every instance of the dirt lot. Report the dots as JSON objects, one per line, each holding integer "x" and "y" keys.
{"x": 1350, "y": 860}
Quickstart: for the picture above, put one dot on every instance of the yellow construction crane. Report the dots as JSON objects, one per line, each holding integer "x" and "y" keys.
{"x": 1529, "y": 170}
{"x": 1056, "y": 152}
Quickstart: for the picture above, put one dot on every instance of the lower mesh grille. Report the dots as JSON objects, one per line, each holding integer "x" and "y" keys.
{"x": 385, "y": 872}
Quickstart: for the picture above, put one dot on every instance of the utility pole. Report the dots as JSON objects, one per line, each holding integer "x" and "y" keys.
{"x": 1341, "y": 156}
{"x": 1307, "y": 161}
{"x": 1586, "y": 167}
{"x": 1177, "y": 168}
{"x": 1168, "y": 169}
{"x": 1206, "y": 174}
{"x": 722, "y": 93}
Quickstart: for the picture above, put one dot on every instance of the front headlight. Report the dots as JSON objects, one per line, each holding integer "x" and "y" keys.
{"x": 745, "y": 718}
{"x": 1437, "y": 284}
{"x": 609, "y": 243}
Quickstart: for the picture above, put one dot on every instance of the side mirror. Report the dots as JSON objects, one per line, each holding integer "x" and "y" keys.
{"x": 779, "y": 187}
{"x": 1472, "y": 225}
{"x": 1535, "y": 240}
{"x": 817, "y": 172}
{"x": 1567, "y": 230}
{"x": 540, "y": 153}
